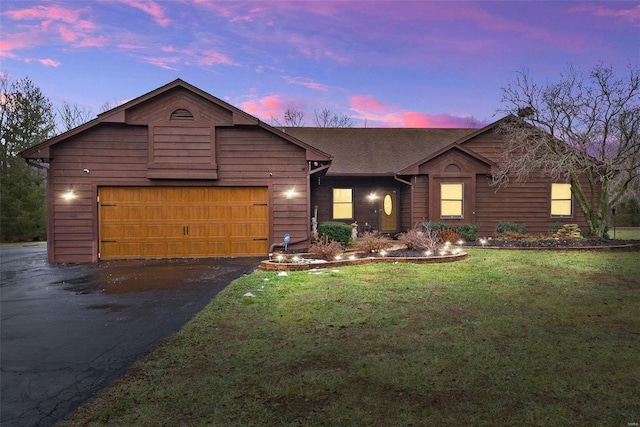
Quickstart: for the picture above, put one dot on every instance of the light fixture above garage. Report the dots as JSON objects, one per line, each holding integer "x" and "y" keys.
{"x": 290, "y": 193}
{"x": 69, "y": 194}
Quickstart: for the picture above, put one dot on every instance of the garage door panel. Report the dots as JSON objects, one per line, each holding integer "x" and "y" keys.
{"x": 138, "y": 222}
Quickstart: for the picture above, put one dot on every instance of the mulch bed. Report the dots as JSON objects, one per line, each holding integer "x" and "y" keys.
{"x": 542, "y": 243}
{"x": 552, "y": 243}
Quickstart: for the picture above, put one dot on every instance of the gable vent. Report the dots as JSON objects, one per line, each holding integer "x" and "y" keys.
{"x": 181, "y": 114}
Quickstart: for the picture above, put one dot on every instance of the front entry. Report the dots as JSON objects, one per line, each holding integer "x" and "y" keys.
{"x": 389, "y": 212}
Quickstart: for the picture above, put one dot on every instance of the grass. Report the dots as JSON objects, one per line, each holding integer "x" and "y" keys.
{"x": 509, "y": 338}
{"x": 626, "y": 233}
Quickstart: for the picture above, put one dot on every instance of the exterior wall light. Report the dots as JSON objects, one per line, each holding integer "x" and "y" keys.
{"x": 69, "y": 194}
{"x": 372, "y": 197}
{"x": 290, "y": 193}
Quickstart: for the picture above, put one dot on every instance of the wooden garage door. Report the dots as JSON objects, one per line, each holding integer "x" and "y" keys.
{"x": 164, "y": 222}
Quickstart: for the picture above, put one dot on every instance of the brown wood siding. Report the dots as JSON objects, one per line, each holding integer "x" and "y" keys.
{"x": 254, "y": 154}
{"x": 112, "y": 153}
{"x": 117, "y": 155}
{"x": 159, "y": 109}
{"x": 364, "y": 210}
{"x": 182, "y": 144}
{"x": 421, "y": 199}
{"x": 488, "y": 145}
{"x": 524, "y": 203}
{"x": 405, "y": 208}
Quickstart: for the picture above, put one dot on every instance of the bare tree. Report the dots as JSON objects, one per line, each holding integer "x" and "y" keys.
{"x": 106, "y": 106}
{"x": 72, "y": 116}
{"x": 327, "y": 119}
{"x": 580, "y": 129}
{"x": 292, "y": 117}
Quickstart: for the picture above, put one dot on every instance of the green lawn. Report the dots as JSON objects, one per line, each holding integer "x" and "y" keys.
{"x": 626, "y": 233}
{"x": 504, "y": 338}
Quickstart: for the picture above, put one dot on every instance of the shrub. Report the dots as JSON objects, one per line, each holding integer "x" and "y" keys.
{"x": 449, "y": 235}
{"x": 468, "y": 232}
{"x": 433, "y": 226}
{"x": 334, "y": 230}
{"x": 511, "y": 227}
{"x": 453, "y": 233}
{"x": 420, "y": 240}
{"x": 326, "y": 249}
{"x": 553, "y": 228}
{"x": 372, "y": 242}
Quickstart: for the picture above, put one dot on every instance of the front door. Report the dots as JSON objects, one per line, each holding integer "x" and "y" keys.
{"x": 389, "y": 212}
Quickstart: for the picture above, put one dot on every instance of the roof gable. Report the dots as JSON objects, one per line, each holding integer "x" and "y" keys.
{"x": 180, "y": 95}
{"x": 376, "y": 151}
{"x": 417, "y": 168}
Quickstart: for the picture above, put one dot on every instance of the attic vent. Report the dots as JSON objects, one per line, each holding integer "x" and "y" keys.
{"x": 452, "y": 168}
{"x": 181, "y": 114}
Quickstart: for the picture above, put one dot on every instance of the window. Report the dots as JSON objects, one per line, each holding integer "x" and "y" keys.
{"x": 342, "y": 203}
{"x": 561, "y": 200}
{"x": 451, "y": 200}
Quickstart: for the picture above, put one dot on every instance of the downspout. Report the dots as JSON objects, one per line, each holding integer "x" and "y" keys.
{"x": 410, "y": 184}
{"x": 281, "y": 245}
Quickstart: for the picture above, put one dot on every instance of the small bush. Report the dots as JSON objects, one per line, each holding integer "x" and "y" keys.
{"x": 468, "y": 232}
{"x": 372, "y": 242}
{"x": 553, "y": 228}
{"x": 334, "y": 230}
{"x": 420, "y": 240}
{"x": 453, "y": 233}
{"x": 326, "y": 249}
{"x": 449, "y": 235}
{"x": 512, "y": 227}
{"x": 433, "y": 226}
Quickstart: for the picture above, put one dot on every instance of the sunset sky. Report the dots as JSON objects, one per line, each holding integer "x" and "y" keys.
{"x": 384, "y": 64}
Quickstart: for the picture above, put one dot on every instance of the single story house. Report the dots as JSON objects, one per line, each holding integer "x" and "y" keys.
{"x": 178, "y": 172}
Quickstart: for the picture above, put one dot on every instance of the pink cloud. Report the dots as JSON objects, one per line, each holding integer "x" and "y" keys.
{"x": 267, "y": 107}
{"x": 49, "y": 62}
{"x": 50, "y": 22}
{"x": 425, "y": 120}
{"x": 272, "y": 106}
{"x": 189, "y": 57}
{"x": 210, "y": 57}
{"x": 372, "y": 111}
{"x": 366, "y": 103}
{"x": 151, "y": 8}
{"x": 631, "y": 14}
{"x": 308, "y": 83}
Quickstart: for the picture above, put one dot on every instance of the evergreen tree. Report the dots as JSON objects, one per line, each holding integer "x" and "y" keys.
{"x": 26, "y": 119}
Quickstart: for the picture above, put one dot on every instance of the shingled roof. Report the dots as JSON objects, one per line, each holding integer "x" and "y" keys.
{"x": 376, "y": 151}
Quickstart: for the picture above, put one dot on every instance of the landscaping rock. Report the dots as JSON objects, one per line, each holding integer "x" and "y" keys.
{"x": 569, "y": 231}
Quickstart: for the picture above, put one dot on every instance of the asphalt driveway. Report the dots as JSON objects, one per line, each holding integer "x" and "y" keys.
{"x": 67, "y": 331}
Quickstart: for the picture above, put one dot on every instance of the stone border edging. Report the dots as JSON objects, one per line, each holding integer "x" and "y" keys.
{"x": 628, "y": 246}
{"x": 268, "y": 265}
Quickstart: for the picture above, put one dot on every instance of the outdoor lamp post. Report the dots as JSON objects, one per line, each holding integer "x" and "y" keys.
{"x": 613, "y": 213}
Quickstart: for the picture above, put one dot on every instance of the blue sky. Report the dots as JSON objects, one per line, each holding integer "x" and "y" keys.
{"x": 387, "y": 64}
